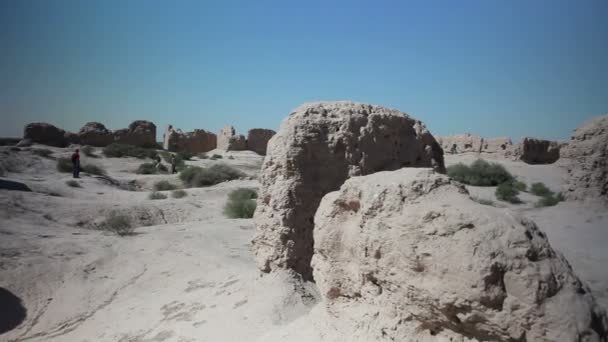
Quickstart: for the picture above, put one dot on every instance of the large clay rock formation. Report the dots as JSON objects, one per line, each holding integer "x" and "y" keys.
{"x": 587, "y": 161}
{"x": 44, "y": 133}
{"x": 95, "y": 134}
{"x": 461, "y": 143}
{"x": 257, "y": 140}
{"x": 537, "y": 151}
{"x": 317, "y": 148}
{"x": 198, "y": 141}
{"x": 408, "y": 256}
{"x": 140, "y": 133}
{"x": 228, "y": 140}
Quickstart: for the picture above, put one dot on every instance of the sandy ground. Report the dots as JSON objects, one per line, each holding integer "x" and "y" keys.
{"x": 188, "y": 273}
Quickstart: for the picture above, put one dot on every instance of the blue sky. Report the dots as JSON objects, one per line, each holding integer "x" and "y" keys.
{"x": 492, "y": 67}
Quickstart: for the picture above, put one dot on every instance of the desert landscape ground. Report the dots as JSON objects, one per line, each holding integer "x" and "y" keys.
{"x": 187, "y": 272}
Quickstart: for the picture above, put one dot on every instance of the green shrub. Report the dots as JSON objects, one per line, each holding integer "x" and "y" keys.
{"x": 64, "y": 164}
{"x": 241, "y": 203}
{"x": 157, "y": 196}
{"x": 93, "y": 169}
{"x": 150, "y": 169}
{"x": 166, "y": 156}
{"x": 199, "y": 177}
{"x": 179, "y": 194}
{"x": 119, "y": 224}
{"x": 550, "y": 200}
{"x": 164, "y": 185}
{"x": 216, "y": 156}
{"x": 88, "y": 151}
{"x": 42, "y": 152}
{"x": 521, "y": 186}
{"x": 508, "y": 193}
{"x": 185, "y": 155}
{"x": 540, "y": 189}
{"x": 121, "y": 150}
{"x": 73, "y": 184}
{"x": 480, "y": 173}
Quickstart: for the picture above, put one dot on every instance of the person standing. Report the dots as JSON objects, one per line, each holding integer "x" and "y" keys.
{"x": 76, "y": 164}
{"x": 173, "y": 164}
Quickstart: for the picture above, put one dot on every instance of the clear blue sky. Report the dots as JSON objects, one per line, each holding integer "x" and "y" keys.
{"x": 492, "y": 67}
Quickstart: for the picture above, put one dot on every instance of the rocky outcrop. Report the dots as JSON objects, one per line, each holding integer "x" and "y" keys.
{"x": 44, "y": 133}
{"x": 95, "y": 134}
{"x": 228, "y": 140}
{"x": 257, "y": 140}
{"x": 140, "y": 133}
{"x": 461, "y": 143}
{"x": 408, "y": 256}
{"x": 537, "y": 151}
{"x": 586, "y": 159}
{"x": 197, "y": 141}
{"x": 317, "y": 148}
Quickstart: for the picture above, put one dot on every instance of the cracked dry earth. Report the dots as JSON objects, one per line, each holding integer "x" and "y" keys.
{"x": 186, "y": 275}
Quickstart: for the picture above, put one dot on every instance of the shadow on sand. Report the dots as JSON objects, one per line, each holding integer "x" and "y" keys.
{"x": 12, "y": 311}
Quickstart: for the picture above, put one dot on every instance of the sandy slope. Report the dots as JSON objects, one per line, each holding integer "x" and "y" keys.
{"x": 188, "y": 274}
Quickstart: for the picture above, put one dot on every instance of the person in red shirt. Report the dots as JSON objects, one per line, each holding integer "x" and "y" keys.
{"x": 76, "y": 164}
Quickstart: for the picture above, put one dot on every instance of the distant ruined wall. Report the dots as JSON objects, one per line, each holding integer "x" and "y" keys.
{"x": 469, "y": 143}
{"x": 197, "y": 141}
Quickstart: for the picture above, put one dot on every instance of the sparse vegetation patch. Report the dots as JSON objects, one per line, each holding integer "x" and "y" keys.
{"x": 480, "y": 173}
{"x": 119, "y": 224}
{"x": 157, "y": 196}
{"x": 43, "y": 152}
{"x": 121, "y": 150}
{"x": 508, "y": 193}
{"x": 164, "y": 185}
{"x": 200, "y": 177}
{"x": 241, "y": 203}
{"x": 179, "y": 194}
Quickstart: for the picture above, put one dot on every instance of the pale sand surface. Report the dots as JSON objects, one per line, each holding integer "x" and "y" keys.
{"x": 188, "y": 274}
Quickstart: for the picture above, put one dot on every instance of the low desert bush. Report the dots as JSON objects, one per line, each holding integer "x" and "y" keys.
{"x": 199, "y": 177}
{"x": 241, "y": 203}
{"x": 540, "y": 189}
{"x": 230, "y": 157}
{"x": 42, "y": 152}
{"x": 203, "y": 156}
{"x": 119, "y": 224}
{"x": 216, "y": 156}
{"x": 166, "y": 156}
{"x": 157, "y": 196}
{"x": 121, "y": 150}
{"x": 164, "y": 186}
{"x": 150, "y": 169}
{"x": 64, "y": 165}
{"x": 185, "y": 155}
{"x": 508, "y": 193}
{"x": 480, "y": 173}
{"x": 89, "y": 152}
{"x": 93, "y": 169}
{"x": 73, "y": 184}
{"x": 178, "y": 194}
{"x": 521, "y": 186}
{"x": 550, "y": 200}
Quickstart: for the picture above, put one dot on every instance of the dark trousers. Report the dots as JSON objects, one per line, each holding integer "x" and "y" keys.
{"x": 76, "y": 170}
